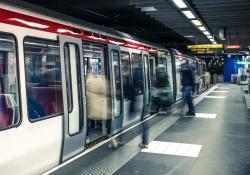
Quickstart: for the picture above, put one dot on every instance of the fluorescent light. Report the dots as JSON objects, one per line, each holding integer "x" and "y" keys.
{"x": 206, "y": 32}
{"x": 189, "y": 36}
{"x": 180, "y": 3}
{"x": 188, "y": 14}
{"x": 148, "y": 9}
{"x": 202, "y": 28}
{"x": 210, "y": 37}
{"x": 196, "y": 22}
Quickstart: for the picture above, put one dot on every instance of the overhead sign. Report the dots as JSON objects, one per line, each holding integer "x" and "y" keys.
{"x": 206, "y": 51}
{"x": 205, "y": 46}
{"x": 233, "y": 46}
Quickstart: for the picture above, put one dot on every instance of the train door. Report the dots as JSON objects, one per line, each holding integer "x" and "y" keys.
{"x": 116, "y": 88}
{"x": 137, "y": 91}
{"x": 147, "y": 85}
{"x": 170, "y": 73}
{"x": 74, "y": 121}
{"x": 152, "y": 68}
{"x": 97, "y": 91}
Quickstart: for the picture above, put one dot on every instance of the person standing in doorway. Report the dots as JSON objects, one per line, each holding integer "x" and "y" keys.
{"x": 188, "y": 83}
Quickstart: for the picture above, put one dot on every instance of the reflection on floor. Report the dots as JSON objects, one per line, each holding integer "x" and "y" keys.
{"x": 205, "y": 115}
{"x": 210, "y": 96}
{"x": 221, "y": 91}
{"x": 171, "y": 148}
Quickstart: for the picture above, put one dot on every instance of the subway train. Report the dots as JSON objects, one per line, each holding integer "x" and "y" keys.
{"x": 65, "y": 83}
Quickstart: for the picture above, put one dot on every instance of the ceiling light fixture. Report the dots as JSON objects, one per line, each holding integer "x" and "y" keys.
{"x": 206, "y": 32}
{"x": 148, "y": 9}
{"x": 196, "y": 22}
{"x": 202, "y": 28}
{"x": 180, "y": 3}
{"x": 189, "y": 36}
{"x": 209, "y": 36}
{"x": 188, "y": 14}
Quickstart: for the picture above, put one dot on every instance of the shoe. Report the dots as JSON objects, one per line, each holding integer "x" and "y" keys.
{"x": 189, "y": 113}
{"x": 113, "y": 144}
{"x": 163, "y": 112}
{"x": 141, "y": 145}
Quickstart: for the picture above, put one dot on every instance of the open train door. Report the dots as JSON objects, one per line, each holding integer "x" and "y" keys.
{"x": 74, "y": 99}
{"x": 116, "y": 88}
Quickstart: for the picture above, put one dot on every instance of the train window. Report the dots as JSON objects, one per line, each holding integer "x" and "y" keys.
{"x": 9, "y": 102}
{"x": 93, "y": 61}
{"x": 152, "y": 63}
{"x": 170, "y": 71}
{"x": 137, "y": 71}
{"x": 116, "y": 74}
{"x": 43, "y": 78}
{"x": 68, "y": 77}
{"x": 147, "y": 79}
{"x": 126, "y": 75}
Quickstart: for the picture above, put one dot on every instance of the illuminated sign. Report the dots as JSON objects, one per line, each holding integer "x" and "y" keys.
{"x": 205, "y": 51}
{"x": 233, "y": 46}
{"x": 242, "y": 62}
{"x": 205, "y": 46}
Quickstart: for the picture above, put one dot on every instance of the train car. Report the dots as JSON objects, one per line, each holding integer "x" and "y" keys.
{"x": 65, "y": 83}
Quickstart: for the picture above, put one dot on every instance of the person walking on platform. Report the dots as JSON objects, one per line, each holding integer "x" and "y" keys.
{"x": 188, "y": 84}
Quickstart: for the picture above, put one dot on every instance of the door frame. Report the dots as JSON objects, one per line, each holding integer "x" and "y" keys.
{"x": 117, "y": 121}
{"x": 73, "y": 144}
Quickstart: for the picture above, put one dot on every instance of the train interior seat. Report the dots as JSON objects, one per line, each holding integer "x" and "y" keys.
{"x": 6, "y": 113}
{"x": 50, "y": 98}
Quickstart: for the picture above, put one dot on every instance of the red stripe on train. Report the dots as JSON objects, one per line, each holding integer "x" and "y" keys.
{"x": 22, "y": 20}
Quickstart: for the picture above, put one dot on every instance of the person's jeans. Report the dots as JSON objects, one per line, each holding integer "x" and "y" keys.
{"x": 187, "y": 98}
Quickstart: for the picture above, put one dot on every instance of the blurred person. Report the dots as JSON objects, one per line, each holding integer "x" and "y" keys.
{"x": 197, "y": 82}
{"x": 35, "y": 109}
{"x": 162, "y": 97}
{"x": 188, "y": 83}
{"x": 207, "y": 79}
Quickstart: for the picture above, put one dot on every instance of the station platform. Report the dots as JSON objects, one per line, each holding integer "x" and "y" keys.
{"x": 215, "y": 141}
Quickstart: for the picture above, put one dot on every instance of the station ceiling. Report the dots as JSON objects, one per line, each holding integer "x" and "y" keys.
{"x": 167, "y": 25}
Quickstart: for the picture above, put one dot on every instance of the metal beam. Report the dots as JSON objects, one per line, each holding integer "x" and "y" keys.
{"x": 222, "y": 5}
{"x": 220, "y": 9}
{"x": 217, "y": 1}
